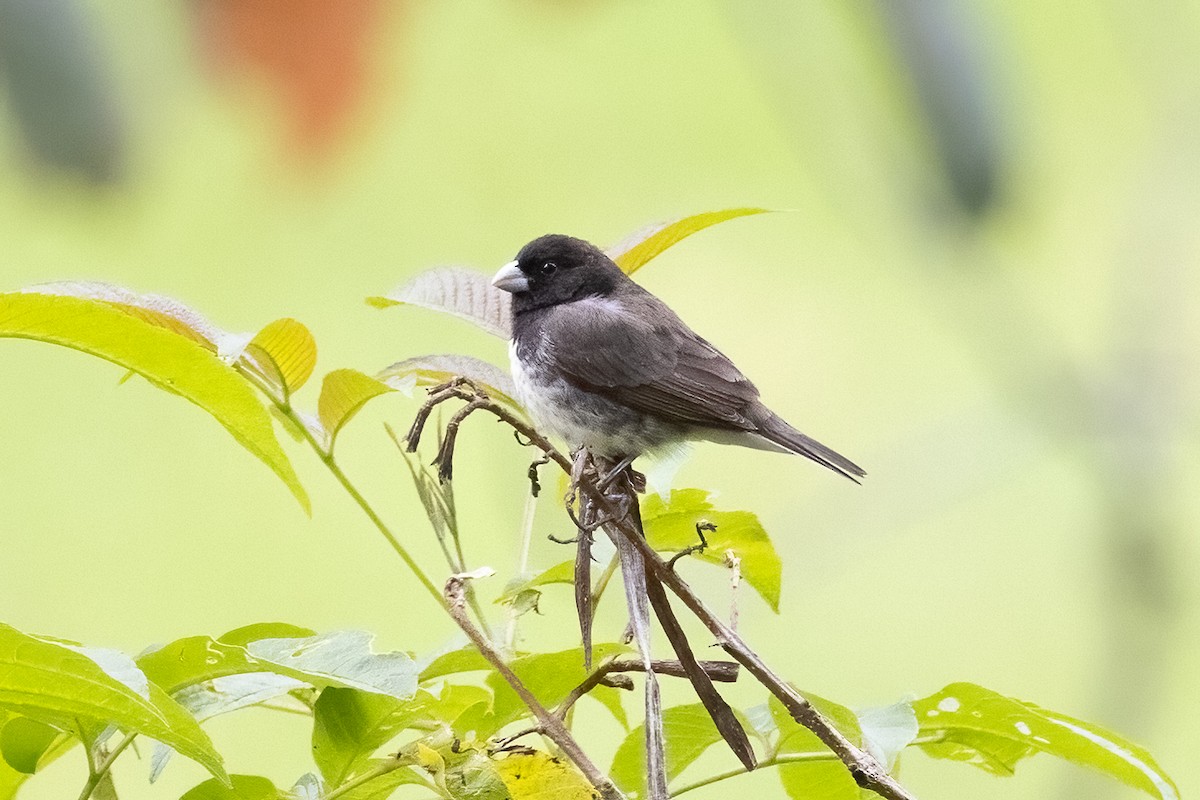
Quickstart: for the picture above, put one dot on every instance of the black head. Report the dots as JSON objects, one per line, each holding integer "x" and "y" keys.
{"x": 555, "y": 269}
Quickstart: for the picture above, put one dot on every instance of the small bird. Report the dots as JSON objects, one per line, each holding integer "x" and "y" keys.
{"x": 604, "y": 364}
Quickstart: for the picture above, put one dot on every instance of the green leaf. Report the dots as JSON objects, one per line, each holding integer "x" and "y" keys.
{"x": 559, "y": 573}
{"x": 671, "y": 525}
{"x": 343, "y": 393}
{"x": 285, "y": 353}
{"x": 550, "y": 676}
{"x": 168, "y": 360}
{"x": 425, "y": 371}
{"x": 538, "y": 776}
{"x": 995, "y": 732}
{"x": 349, "y": 726}
{"x": 471, "y": 775}
{"x": 688, "y": 731}
{"x": 245, "y": 787}
{"x": 383, "y": 787}
{"x": 640, "y": 247}
{"x": 54, "y": 684}
{"x": 24, "y": 741}
{"x": 823, "y": 777}
{"x": 462, "y": 293}
{"x": 340, "y": 658}
{"x": 465, "y": 659}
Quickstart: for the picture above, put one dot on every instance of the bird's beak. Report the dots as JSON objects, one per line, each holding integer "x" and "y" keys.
{"x": 511, "y": 279}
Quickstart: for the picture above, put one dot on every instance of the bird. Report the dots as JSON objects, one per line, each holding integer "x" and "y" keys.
{"x": 604, "y": 364}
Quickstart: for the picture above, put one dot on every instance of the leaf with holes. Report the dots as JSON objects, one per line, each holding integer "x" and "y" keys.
{"x": 994, "y": 732}
{"x": 671, "y": 525}
{"x": 640, "y": 247}
{"x": 463, "y": 293}
{"x": 166, "y": 359}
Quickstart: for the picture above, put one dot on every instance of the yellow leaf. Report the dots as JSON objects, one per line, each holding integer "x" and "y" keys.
{"x": 343, "y": 393}
{"x": 169, "y": 361}
{"x": 537, "y": 776}
{"x": 285, "y": 352}
{"x": 637, "y": 249}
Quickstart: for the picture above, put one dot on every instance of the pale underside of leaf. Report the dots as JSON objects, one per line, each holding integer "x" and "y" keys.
{"x": 166, "y": 359}
{"x": 640, "y": 247}
{"x": 426, "y": 371}
{"x": 463, "y": 293}
{"x": 341, "y": 658}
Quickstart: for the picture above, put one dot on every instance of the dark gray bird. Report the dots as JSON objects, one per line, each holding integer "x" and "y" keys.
{"x": 601, "y": 362}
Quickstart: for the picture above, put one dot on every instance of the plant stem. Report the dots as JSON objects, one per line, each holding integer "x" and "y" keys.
{"x": 97, "y": 772}
{"x": 551, "y": 726}
{"x": 389, "y": 766}
{"x": 510, "y": 634}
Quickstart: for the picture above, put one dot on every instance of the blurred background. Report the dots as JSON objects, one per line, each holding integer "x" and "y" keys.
{"x": 983, "y": 290}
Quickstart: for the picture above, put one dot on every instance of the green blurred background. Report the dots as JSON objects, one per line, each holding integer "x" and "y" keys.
{"x": 983, "y": 292}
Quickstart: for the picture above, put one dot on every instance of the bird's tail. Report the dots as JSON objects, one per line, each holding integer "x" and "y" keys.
{"x": 773, "y": 428}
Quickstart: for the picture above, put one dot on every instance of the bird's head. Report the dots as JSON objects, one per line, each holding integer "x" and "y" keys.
{"x": 555, "y": 269}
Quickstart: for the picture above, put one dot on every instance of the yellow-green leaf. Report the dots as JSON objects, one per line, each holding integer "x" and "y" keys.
{"x": 285, "y": 352}
{"x": 995, "y": 732}
{"x": 671, "y": 525}
{"x": 343, "y": 393}
{"x": 640, "y": 247}
{"x": 538, "y": 776}
{"x": 58, "y": 685}
{"x": 166, "y": 359}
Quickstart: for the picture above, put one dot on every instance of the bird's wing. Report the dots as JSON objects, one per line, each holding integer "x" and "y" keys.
{"x": 651, "y": 362}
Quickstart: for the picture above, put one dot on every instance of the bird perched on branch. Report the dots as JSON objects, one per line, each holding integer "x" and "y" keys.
{"x": 603, "y": 363}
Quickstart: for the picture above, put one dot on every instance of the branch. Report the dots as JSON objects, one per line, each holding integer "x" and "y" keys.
{"x": 867, "y": 772}
{"x": 551, "y": 726}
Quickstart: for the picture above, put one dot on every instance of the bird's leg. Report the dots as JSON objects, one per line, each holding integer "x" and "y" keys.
{"x": 701, "y": 527}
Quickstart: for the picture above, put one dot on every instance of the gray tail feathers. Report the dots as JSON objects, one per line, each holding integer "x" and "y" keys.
{"x": 776, "y": 430}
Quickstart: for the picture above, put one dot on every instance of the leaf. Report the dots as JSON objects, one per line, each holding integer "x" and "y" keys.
{"x": 340, "y": 658}
{"x": 551, "y": 676}
{"x": 53, "y": 684}
{"x": 384, "y": 786}
{"x": 688, "y": 731}
{"x": 473, "y": 776}
{"x": 285, "y": 353}
{"x": 437, "y": 369}
{"x": 465, "y": 659}
{"x": 887, "y": 730}
{"x": 167, "y": 360}
{"x": 245, "y": 787}
{"x": 24, "y": 741}
{"x": 349, "y": 726}
{"x": 638, "y": 248}
{"x": 825, "y": 777}
{"x": 343, "y": 393}
{"x": 994, "y": 732}
{"x": 537, "y": 776}
{"x": 671, "y": 525}
{"x": 559, "y": 573}
{"x": 462, "y": 293}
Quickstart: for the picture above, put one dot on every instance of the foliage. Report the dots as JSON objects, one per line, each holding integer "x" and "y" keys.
{"x": 381, "y": 721}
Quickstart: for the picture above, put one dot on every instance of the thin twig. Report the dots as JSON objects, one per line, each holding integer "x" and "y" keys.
{"x": 866, "y": 771}
{"x": 550, "y": 725}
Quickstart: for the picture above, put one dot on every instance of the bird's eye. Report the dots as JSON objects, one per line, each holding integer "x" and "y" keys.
{"x": 548, "y": 268}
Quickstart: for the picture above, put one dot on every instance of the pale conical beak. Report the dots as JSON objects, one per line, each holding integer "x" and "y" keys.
{"x": 511, "y": 279}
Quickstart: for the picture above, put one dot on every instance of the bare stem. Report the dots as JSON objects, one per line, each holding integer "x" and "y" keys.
{"x": 866, "y": 771}
{"x": 96, "y": 772}
{"x": 549, "y": 724}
